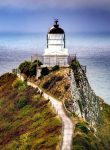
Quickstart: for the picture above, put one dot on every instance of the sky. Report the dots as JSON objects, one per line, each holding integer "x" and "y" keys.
{"x": 31, "y": 16}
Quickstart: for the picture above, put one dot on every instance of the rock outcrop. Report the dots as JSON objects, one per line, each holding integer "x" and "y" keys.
{"x": 84, "y": 101}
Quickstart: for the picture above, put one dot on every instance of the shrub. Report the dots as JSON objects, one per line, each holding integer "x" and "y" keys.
{"x": 21, "y": 102}
{"x": 75, "y": 64}
{"x": 82, "y": 127}
{"x": 28, "y": 68}
{"x": 46, "y": 84}
{"x": 50, "y": 83}
{"x": 44, "y": 71}
{"x": 37, "y": 62}
{"x": 32, "y": 70}
{"x": 81, "y": 142}
{"x": 24, "y": 67}
{"x": 17, "y": 83}
{"x": 37, "y": 97}
{"x": 55, "y": 68}
{"x": 33, "y": 67}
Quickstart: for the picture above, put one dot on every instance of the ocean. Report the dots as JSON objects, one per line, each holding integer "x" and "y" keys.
{"x": 92, "y": 50}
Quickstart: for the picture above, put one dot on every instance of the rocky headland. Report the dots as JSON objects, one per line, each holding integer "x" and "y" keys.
{"x": 28, "y": 121}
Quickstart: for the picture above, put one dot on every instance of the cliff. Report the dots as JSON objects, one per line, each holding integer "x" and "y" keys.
{"x": 89, "y": 113}
{"x": 84, "y": 101}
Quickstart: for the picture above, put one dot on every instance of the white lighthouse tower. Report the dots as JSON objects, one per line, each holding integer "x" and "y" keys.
{"x": 56, "y": 53}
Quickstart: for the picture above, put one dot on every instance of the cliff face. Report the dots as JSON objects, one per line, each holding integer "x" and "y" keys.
{"x": 83, "y": 100}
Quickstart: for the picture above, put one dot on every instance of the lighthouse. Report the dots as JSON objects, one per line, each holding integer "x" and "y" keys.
{"x": 55, "y": 52}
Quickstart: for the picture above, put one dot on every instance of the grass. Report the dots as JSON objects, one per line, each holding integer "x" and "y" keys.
{"x": 26, "y": 118}
{"x": 82, "y": 142}
{"x": 103, "y": 127}
{"x": 86, "y": 138}
{"x": 56, "y": 84}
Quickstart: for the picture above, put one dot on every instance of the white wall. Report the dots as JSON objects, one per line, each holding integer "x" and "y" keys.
{"x": 56, "y": 41}
{"x": 56, "y": 60}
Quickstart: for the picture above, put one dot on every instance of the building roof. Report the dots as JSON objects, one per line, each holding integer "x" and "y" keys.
{"x": 56, "y": 29}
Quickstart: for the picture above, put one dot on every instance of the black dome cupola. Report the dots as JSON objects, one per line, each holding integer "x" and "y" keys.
{"x": 56, "y": 29}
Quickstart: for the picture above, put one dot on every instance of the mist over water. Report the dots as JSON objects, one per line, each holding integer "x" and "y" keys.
{"x": 93, "y": 50}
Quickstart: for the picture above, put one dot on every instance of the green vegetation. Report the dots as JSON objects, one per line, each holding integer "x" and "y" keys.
{"x": 55, "y": 68}
{"x": 103, "y": 127}
{"x": 37, "y": 63}
{"x": 19, "y": 84}
{"x": 32, "y": 70}
{"x": 44, "y": 71}
{"x": 75, "y": 64}
{"x": 82, "y": 127}
{"x": 24, "y": 67}
{"x": 26, "y": 118}
{"x": 22, "y": 101}
{"x": 84, "y": 138}
{"x": 28, "y": 68}
{"x": 83, "y": 142}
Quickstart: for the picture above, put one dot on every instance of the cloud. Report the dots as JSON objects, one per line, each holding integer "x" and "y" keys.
{"x": 35, "y": 4}
{"x": 76, "y": 20}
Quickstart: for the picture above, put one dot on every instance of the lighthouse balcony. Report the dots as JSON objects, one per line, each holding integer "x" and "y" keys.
{"x": 56, "y": 51}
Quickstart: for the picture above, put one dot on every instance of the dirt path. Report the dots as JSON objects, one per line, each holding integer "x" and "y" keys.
{"x": 67, "y": 123}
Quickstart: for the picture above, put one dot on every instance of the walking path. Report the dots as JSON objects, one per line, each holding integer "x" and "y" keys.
{"x": 66, "y": 121}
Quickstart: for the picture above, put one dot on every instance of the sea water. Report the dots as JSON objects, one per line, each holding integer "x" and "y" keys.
{"x": 92, "y": 50}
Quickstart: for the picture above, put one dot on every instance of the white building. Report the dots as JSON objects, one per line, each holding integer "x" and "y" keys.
{"x": 56, "y": 53}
